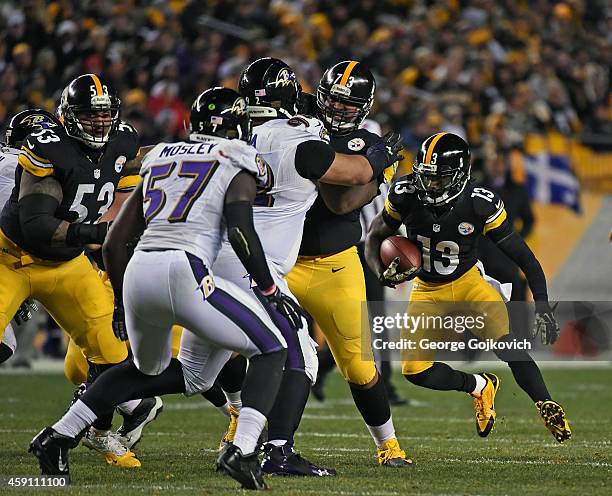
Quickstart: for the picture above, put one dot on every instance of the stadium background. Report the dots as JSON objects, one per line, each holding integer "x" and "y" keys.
{"x": 527, "y": 83}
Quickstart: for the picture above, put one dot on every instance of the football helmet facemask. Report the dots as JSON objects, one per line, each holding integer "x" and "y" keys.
{"x": 270, "y": 89}
{"x": 26, "y": 122}
{"x": 219, "y": 112}
{"x": 90, "y": 109}
{"x": 345, "y": 96}
{"x": 442, "y": 168}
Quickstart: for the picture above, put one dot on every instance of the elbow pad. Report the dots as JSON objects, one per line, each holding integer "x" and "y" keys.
{"x": 37, "y": 218}
{"x": 313, "y": 158}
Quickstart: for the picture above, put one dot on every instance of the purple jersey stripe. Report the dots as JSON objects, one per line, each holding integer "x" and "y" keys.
{"x": 295, "y": 358}
{"x": 242, "y": 316}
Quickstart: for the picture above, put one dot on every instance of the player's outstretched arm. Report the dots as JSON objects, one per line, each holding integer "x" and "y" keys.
{"x": 344, "y": 199}
{"x": 379, "y": 231}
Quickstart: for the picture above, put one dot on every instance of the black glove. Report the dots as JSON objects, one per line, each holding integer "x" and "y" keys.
{"x": 384, "y": 152}
{"x": 24, "y": 313}
{"x": 390, "y": 277}
{"x": 545, "y": 323}
{"x": 85, "y": 234}
{"x": 287, "y": 307}
{"x": 119, "y": 327}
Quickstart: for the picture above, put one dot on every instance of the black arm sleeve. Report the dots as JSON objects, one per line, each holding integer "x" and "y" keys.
{"x": 37, "y": 218}
{"x": 313, "y": 158}
{"x": 518, "y": 251}
{"x": 245, "y": 242}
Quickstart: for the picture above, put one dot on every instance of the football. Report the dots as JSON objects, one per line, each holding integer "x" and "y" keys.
{"x": 399, "y": 246}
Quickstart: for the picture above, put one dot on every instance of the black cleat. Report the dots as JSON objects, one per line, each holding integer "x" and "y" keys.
{"x": 244, "y": 469}
{"x": 146, "y": 412}
{"x": 51, "y": 448}
{"x": 284, "y": 460}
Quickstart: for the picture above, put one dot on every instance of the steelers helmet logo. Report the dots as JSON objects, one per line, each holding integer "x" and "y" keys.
{"x": 356, "y": 144}
{"x": 120, "y": 162}
{"x": 466, "y": 228}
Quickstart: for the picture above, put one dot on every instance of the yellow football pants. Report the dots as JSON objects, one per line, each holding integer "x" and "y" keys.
{"x": 71, "y": 292}
{"x": 469, "y": 294}
{"x": 332, "y": 290}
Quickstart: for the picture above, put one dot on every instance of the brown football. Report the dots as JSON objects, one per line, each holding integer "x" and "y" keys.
{"x": 399, "y": 246}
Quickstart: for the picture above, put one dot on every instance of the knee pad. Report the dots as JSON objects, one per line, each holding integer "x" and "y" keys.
{"x": 413, "y": 367}
{"x": 358, "y": 371}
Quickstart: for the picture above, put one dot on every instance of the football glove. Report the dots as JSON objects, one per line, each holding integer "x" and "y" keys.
{"x": 287, "y": 307}
{"x": 119, "y": 327}
{"x": 545, "y": 324}
{"x": 390, "y": 277}
{"x": 24, "y": 313}
{"x": 385, "y": 152}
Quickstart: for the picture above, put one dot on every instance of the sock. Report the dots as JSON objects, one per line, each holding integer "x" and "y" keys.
{"x": 224, "y": 409}
{"x": 250, "y": 424}
{"x": 235, "y": 399}
{"x": 528, "y": 376}
{"x": 263, "y": 380}
{"x": 215, "y": 395}
{"x": 286, "y": 414}
{"x": 372, "y": 403}
{"x": 78, "y": 417}
{"x": 232, "y": 374}
{"x": 128, "y": 407}
{"x": 481, "y": 382}
{"x": 382, "y": 433}
{"x": 441, "y": 377}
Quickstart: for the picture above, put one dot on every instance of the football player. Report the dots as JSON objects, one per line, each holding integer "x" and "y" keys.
{"x": 296, "y": 149}
{"x": 66, "y": 180}
{"x": 445, "y": 214}
{"x": 191, "y": 193}
{"x": 20, "y": 125}
{"x": 328, "y": 278}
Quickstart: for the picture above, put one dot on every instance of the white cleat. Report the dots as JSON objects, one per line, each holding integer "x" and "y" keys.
{"x": 107, "y": 443}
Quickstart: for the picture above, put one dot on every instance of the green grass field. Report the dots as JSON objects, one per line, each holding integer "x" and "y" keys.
{"x": 178, "y": 450}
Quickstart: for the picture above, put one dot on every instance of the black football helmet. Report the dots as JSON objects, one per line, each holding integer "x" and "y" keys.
{"x": 219, "y": 112}
{"x": 26, "y": 122}
{"x": 270, "y": 88}
{"x": 442, "y": 168}
{"x": 89, "y": 110}
{"x": 345, "y": 96}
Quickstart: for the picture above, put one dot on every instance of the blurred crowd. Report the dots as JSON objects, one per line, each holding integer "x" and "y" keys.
{"x": 490, "y": 71}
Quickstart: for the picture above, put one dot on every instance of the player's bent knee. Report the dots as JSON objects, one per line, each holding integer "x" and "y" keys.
{"x": 152, "y": 367}
{"x": 410, "y": 368}
{"x": 359, "y": 372}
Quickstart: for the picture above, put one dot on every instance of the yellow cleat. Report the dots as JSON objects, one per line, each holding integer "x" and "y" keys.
{"x": 228, "y": 437}
{"x": 484, "y": 405}
{"x": 114, "y": 452}
{"x": 554, "y": 419}
{"x": 391, "y": 455}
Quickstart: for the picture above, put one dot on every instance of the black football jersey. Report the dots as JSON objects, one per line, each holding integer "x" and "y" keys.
{"x": 324, "y": 231}
{"x": 88, "y": 186}
{"x": 448, "y": 236}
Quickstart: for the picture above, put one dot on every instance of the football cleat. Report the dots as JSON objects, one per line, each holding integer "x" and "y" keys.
{"x": 51, "y": 448}
{"x": 146, "y": 412}
{"x": 284, "y": 460}
{"x": 228, "y": 437}
{"x": 484, "y": 405}
{"x": 554, "y": 419}
{"x": 244, "y": 469}
{"x": 107, "y": 443}
{"x": 391, "y": 455}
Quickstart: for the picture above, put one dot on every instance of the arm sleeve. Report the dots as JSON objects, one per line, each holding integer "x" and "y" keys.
{"x": 37, "y": 218}
{"x": 246, "y": 243}
{"x": 313, "y": 158}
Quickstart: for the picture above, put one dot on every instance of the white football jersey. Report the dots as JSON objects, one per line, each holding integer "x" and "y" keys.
{"x": 184, "y": 191}
{"x": 8, "y": 163}
{"x": 280, "y": 210}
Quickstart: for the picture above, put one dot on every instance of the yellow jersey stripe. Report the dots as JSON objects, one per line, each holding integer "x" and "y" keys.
{"x": 431, "y": 147}
{"x": 500, "y": 208}
{"x": 98, "y": 85}
{"x": 33, "y": 156}
{"x": 128, "y": 182}
{"x": 32, "y": 168}
{"x": 498, "y": 221}
{"x": 347, "y": 72}
{"x": 391, "y": 210}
